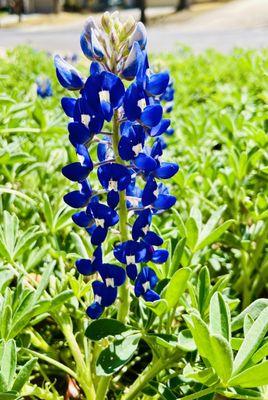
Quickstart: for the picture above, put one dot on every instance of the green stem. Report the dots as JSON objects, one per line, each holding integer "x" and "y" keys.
{"x": 124, "y": 295}
{"x": 201, "y": 393}
{"x": 84, "y": 377}
{"x": 153, "y": 369}
{"x": 103, "y": 387}
{"x": 51, "y": 361}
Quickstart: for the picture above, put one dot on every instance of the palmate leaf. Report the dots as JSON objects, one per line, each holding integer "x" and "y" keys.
{"x": 119, "y": 353}
{"x": 104, "y": 327}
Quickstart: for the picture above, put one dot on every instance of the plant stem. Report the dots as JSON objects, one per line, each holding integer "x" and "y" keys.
{"x": 153, "y": 369}
{"x": 124, "y": 295}
{"x": 84, "y": 377}
{"x": 201, "y": 393}
{"x": 51, "y": 361}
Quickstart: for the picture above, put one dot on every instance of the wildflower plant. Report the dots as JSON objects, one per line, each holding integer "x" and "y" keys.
{"x": 118, "y": 107}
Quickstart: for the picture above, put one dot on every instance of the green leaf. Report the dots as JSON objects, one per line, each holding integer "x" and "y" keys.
{"x": 200, "y": 334}
{"x": 248, "y": 322}
{"x": 252, "y": 377}
{"x": 211, "y": 223}
{"x": 192, "y": 233}
{"x": 254, "y": 309}
{"x": 6, "y": 321}
{"x": 203, "y": 287}
{"x": 219, "y": 317}
{"x": 8, "y": 396}
{"x": 214, "y": 235}
{"x": 44, "y": 282}
{"x": 222, "y": 357}
{"x": 252, "y": 341}
{"x": 158, "y": 306}
{"x": 104, "y": 327}
{"x": 205, "y": 376}
{"x": 186, "y": 341}
{"x": 60, "y": 299}
{"x": 177, "y": 255}
{"x": 176, "y": 287}
{"x": 8, "y": 363}
{"x": 117, "y": 355}
{"x": 179, "y": 223}
{"x": 24, "y": 375}
{"x": 261, "y": 352}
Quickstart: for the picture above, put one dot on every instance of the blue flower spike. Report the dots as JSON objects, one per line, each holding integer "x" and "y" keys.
{"x": 116, "y": 131}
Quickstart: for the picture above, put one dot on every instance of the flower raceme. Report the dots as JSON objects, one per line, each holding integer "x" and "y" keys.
{"x": 129, "y": 161}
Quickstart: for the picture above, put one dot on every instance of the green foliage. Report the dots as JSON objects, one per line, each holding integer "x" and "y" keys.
{"x": 208, "y": 333}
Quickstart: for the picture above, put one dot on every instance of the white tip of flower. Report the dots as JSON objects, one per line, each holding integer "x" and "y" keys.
{"x": 139, "y": 35}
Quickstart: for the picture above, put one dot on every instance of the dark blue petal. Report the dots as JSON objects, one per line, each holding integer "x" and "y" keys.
{"x": 67, "y": 75}
{"x": 114, "y": 172}
{"x": 160, "y": 128}
{"x": 150, "y": 295}
{"x": 132, "y": 96}
{"x": 99, "y": 235}
{"x": 166, "y": 170}
{"x": 95, "y": 310}
{"x": 76, "y": 199}
{"x": 115, "y": 86}
{"x": 144, "y": 162}
{"x": 160, "y": 256}
{"x": 68, "y": 104}
{"x": 112, "y": 275}
{"x": 101, "y": 211}
{"x": 85, "y": 267}
{"x": 112, "y": 199}
{"x": 81, "y": 219}
{"x": 75, "y": 172}
{"x": 109, "y": 295}
{"x": 86, "y": 46}
{"x": 132, "y": 271}
{"x": 79, "y": 133}
{"x": 164, "y": 202}
{"x": 84, "y": 157}
{"x": 149, "y": 195}
{"x": 151, "y": 115}
{"x": 153, "y": 239}
{"x": 157, "y": 83}
{"x": 107, "y": 110}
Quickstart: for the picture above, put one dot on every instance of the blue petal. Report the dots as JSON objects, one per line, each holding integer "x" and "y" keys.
{"x": 132, "y": 271}
{"x": 115, "y": 86}
{"x": 148, "y": 195}
{"x": 75, "y": 172}
{"x": 81, "y": 219}
{"x": 164, "y": 202}
{"x": 68, "y": 104}
{"x": 144, "y": 162}
{"x": 151, "y": 115}
{"x": 76, "y": 199}
{"x": 157, "y": 83}
{"x": 111, "y": 271}
{"x": 153, "y": 239}
{"x": 115, "y": 172}
{"x": 160, "y": 128}
{"x": 132, "y": 96}
{"x": 107, "y": 110}
{"x": 84, "y": 157}
{"x": 139, "y": 35}
{"x": 112, "y": 199}
{"x": 78, "y": 133}
{"x": 85, "y": 267}
{"x": 166, "y": 170}
{"x": 150, "y": 295}
{"x": 67, "y": 75}
{"x": 99, "y": 235}
{"x": 86, "y": 46}
{"x": 133, "y": 62}
{"x": 101, "y": 211}
{"x": 95, "y": 310}
{"x": 160, "y": 256}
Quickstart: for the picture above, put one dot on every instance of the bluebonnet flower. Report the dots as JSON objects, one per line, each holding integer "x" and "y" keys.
{"x": 44, "y": 88}
{"x": 129, "y": 159}
{"x": 145, "y": 283}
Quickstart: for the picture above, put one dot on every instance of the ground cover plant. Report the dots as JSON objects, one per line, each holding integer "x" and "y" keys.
{"x": 203, "y": 334}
